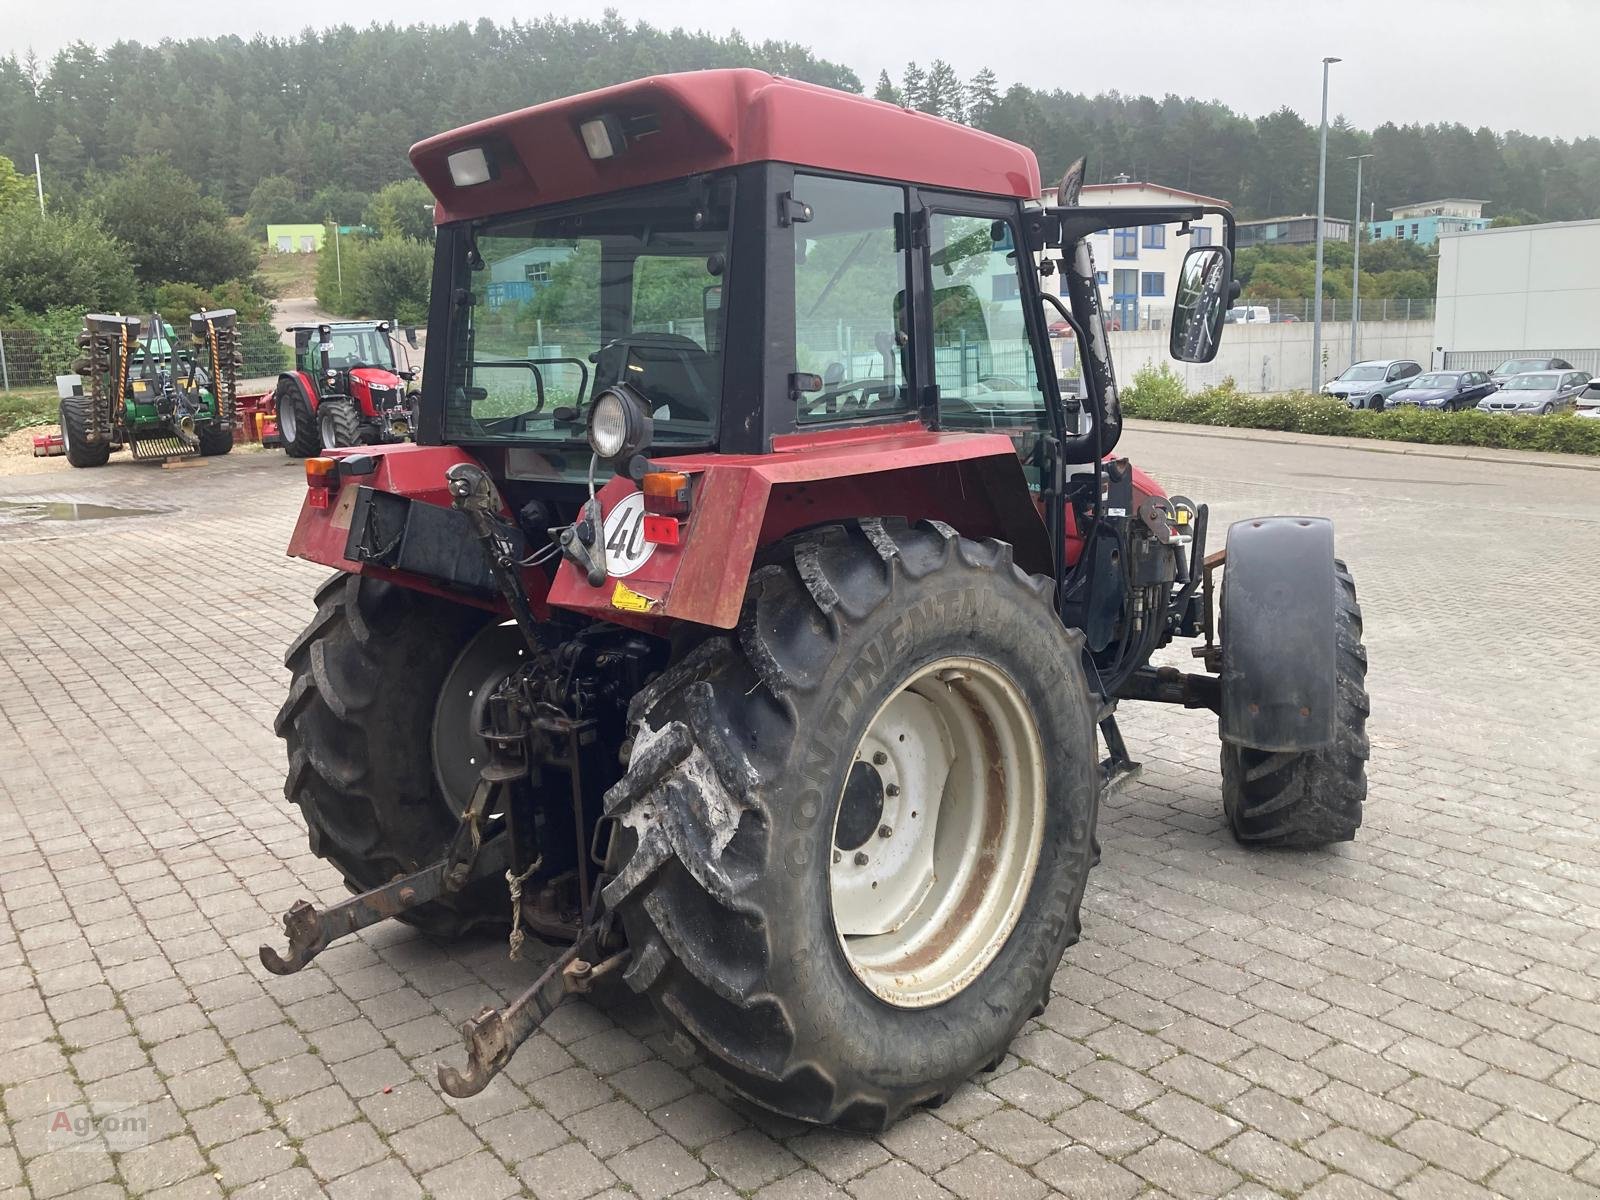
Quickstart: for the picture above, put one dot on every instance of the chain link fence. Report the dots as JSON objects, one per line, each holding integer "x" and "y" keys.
{"x": 32, "y": 357}
{"x": 1382, "y": 309}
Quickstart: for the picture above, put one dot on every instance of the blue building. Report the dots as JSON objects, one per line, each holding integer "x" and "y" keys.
{"x": 1423, "y": 223}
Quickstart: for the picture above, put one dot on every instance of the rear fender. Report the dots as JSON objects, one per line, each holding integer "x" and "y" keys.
{"x": 973, "y": 482}
{"x": 322, "y": 535}
{"x": 1279, "y": 651}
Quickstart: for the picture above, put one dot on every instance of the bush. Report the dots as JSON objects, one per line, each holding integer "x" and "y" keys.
{"x": 1302, "y": 412}
{"x": 383, "y": 277}
{"x": 57, "y": 261}
{"x": 173, "y": 231}
{"x": 41, "y": 346}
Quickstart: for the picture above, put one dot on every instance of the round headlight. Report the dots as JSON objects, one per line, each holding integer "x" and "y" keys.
{"x": 619, "y": 423}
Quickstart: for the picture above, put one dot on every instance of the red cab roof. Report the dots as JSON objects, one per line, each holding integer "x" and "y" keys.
{"x": 706, "y": 120}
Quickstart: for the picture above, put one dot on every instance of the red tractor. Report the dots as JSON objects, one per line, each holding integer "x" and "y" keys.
{"x": 346, "y": 389}
{"x": 753, "y": 611}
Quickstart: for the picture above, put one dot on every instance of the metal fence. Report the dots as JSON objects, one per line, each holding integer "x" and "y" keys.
{"x": 1488, "y": 360}
{"x": 1339, "y": 310}
{"x": 31, "y": 359}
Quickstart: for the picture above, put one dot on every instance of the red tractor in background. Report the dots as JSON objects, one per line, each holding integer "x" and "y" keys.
{"x": 754, "y": 610}
{"x": 346, "y": 389}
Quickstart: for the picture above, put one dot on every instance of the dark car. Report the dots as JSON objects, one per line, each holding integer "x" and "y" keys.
{"x": 1444, "y": 391}
{"x": 1542, "y": 392}
{"x": 1521, "y": 366}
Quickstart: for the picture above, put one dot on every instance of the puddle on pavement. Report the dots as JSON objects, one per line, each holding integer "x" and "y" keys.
{"x": 17, "y": 512}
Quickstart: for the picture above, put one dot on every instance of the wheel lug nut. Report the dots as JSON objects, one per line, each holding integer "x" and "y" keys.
{"x": 837, "y": 856}
{"x": 884, "y": 831}
{"x": 879, "y": 758}
{"x": 891, "y": 789}
{"x": 861, "y": 858}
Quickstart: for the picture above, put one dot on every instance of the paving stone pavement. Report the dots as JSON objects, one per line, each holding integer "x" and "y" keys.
{"x": 1416, "y": 1014}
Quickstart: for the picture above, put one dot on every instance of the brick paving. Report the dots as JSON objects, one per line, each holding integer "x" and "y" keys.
{"x": 1415, "y": 1015}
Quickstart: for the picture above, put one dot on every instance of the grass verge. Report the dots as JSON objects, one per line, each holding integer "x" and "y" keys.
{"x": 21, "y": 408}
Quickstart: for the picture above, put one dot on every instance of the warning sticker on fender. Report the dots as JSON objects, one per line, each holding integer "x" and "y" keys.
{"x": 629, "y": 600}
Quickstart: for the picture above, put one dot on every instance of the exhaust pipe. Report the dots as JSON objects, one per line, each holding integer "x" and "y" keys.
{"x": 185, "y": 430}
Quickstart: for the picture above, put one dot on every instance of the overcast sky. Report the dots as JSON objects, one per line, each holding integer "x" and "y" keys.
{"x": 1526, "y": 65}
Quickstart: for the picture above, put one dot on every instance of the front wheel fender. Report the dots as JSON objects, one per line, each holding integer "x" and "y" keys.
{"x": 1279, "y": 634}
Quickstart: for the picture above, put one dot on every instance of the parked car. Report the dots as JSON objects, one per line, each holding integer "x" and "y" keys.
{"x": 1521, "y": 366}
{"x": 1249, "y": 314}
{"x": 1542, "y": 392}
{"x": 1443, "y": 391}
{"x": 1589, "y": 401}
{"x": 1370, "y": 384}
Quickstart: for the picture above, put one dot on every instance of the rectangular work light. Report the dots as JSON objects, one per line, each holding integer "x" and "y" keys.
{"x": 470, "y": 167}
{"x": 603, "y": 136}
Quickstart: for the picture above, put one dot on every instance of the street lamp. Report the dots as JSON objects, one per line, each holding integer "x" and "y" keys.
{"x": 1355, "y": 270}
{"x": 1322, "y": 198}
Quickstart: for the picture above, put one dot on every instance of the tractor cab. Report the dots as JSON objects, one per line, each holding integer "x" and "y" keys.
{"x": 754, "y": 607}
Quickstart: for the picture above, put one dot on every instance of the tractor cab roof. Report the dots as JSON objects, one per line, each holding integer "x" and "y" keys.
{"x": 671, "y": 126}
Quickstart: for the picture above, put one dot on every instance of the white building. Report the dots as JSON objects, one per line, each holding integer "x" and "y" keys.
{"x": 1138, "y": 268}
{"x": 1522, "y": 290}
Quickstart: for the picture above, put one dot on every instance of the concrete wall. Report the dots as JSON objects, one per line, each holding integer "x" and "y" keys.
{"x": 1523, "y": 289}
{"x": 1267, "y": 358}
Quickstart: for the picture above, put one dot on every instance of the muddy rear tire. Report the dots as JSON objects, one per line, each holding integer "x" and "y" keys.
{"x": 297, "y": 424}
{"x": 366, "y": 673}
{"x": 744, "y": 775}
{"x": 1316, "y": 797}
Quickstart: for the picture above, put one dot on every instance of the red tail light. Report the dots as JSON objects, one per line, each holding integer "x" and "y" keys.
{"x": 666, "y": 493}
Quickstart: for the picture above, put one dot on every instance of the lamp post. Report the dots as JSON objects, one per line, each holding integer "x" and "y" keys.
{"x": 1355, "y": 270}
{"x": 1322, "y": 199}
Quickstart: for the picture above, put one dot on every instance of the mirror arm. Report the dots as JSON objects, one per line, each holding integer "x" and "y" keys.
{"x": 1099, "y": 377}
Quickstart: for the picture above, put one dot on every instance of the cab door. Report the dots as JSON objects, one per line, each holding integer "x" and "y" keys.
{"x": 982, "y": 325}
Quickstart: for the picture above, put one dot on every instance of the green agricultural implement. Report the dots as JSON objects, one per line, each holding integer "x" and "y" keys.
{"x": 145, "y": 394}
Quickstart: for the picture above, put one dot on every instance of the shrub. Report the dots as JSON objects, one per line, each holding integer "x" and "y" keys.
{"x": 58, "y": 261}
{"x": 1302, "y": 412}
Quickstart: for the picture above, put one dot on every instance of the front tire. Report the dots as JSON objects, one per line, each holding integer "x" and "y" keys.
{"x": 746, "y": 779}
{"x": 339, "y": 423}
{"x": 1314, "y": 797}
{"x": 81, "y": 452}
{"x": 215, "y": 437}
{"x": 366, "y": 674}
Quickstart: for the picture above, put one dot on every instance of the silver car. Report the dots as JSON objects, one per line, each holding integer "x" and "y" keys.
{"x": 1521, "y": 366}
{"x": 1370, "y": 384}
{"x": 1541, "y": 392}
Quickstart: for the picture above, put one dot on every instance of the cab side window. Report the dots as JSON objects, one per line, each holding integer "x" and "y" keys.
{"x": 983, "y": 357}
{"x": 850, "y": 311}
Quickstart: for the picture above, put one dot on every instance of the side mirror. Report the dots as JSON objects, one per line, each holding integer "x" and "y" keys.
{"x": 1205, "y": 289}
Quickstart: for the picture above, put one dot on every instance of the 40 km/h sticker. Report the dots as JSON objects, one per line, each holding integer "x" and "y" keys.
{"x": 623, "y": 532}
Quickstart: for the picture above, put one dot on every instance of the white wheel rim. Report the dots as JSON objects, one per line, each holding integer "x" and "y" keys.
{"x": 329, "y": 430}
{"x": 286, "y": 419}
{"x": 938, "y": 832}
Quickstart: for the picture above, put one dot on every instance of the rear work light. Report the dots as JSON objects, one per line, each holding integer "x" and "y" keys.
{"x": 603, "y": 136}
{"x": 469, "y": 168}
{"x": 322, "y": 480}
{"x": 666, "y": 493}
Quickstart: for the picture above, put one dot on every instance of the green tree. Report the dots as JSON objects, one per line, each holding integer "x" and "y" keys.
{"x": 341, "y": 205}
{"x": 1517, "y": 216}
{"x": 913, "y": 86}
{"x": 982, "y": 95}
{"x": 391, "y": 279}
{"x": 15, "y": 189}
{"x": 402, "y": 209}
{"x": 273, "y": 201}
{"x": 886, "y": 90}
{"x": 945, "y": 96}
{"x": 172, "y": 231}
{"x": 57, "y": 260}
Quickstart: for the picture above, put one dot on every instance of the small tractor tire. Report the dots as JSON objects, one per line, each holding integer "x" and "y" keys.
{"x": 365, "y": 675}
{"x": 297, "y": 424}
{"x": 215, "y": 437}
{"x": 754, "y": 752}
{"x": 75, "y": 435}
{"x": 339, "y": 423}
{"x": 1315, "y": 797}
